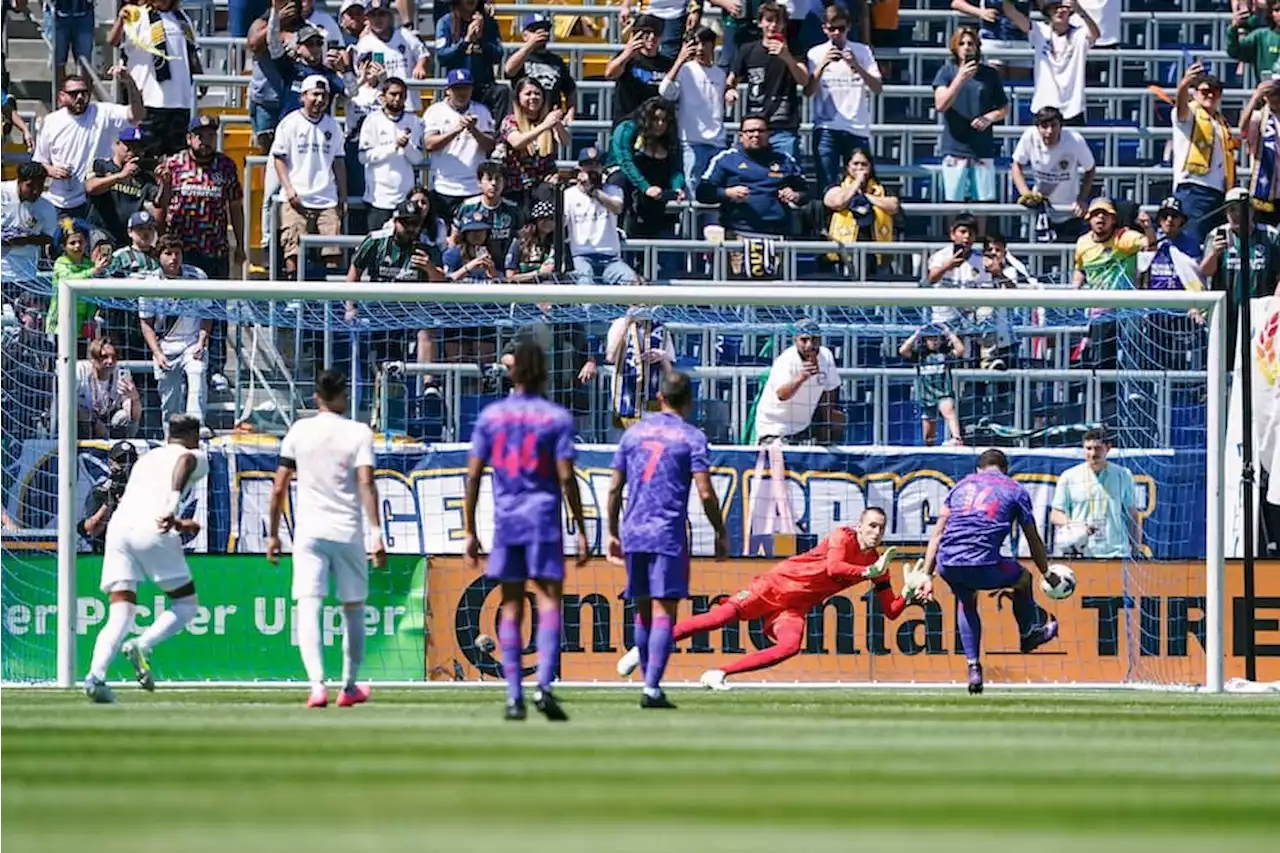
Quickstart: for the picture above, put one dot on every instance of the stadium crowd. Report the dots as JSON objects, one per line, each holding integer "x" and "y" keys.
{"x": 468, "y": 187}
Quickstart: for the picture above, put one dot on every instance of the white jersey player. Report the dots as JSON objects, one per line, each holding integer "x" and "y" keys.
{"x": 144, "y": 540}
{"x": 332, "y": 457}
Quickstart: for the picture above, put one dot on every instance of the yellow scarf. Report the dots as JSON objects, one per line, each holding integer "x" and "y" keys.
{"x": 1207, "y": 130}
{"x": 843, "y": 227}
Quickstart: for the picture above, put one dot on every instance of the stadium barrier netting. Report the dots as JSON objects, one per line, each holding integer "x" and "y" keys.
{"x": 1038, "y": 369}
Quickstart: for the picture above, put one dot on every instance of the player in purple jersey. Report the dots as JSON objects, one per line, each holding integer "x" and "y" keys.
{"x": 528, "y": 442}
{"x": 660, "y": 457}
{"x": 965, "y": 549}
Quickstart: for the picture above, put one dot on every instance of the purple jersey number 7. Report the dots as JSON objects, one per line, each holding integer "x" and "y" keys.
{"x": 656, "y": 449}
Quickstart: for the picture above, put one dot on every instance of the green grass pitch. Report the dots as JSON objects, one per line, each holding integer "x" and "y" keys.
{"x": 186, "y": 771}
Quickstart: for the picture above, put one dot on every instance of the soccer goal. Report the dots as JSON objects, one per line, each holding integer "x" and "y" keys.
{"x": 1033, "y": 371}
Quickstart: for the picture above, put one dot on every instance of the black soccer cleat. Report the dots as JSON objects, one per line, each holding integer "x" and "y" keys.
{"x": 659, "y": 701}
{"x": 515, "y": 711}
{"x": 975, "y": 678}
{"x": 547, "y": 705}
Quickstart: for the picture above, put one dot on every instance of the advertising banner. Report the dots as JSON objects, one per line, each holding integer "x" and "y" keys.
{"x": 245, "y": 630}
{"x": 1143, "y": 624}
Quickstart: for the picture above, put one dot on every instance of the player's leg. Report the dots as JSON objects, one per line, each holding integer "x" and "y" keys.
{"x": 121, "y": 573}
{"x": 788, "y": 632}
{"x": 1031, "y": 632}
{"x": 351, "y": 581}
{"x": 310, "y": 586}
{"x": 509, "y": 567}
{"x": 547, "y": 592}
{"x": 667, "y": 583}
{"x": 183, "y": 608}
{"x": 637, "y": 592}
{"x": 969, "y": 623}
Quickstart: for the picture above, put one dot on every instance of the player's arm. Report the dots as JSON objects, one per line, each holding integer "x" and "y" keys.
{"x": 1038, "y": 552}
{"x": 475, "y": 470}
{"x": 935, "y": 541}
{"x": 279, "y": 489}
{"x": 711, "y": 506}
{"x": 613, "y": 547}
{"x": 182, "y": 471}
{"x": 569, "y": 488}
{"x": 369, "y": 498}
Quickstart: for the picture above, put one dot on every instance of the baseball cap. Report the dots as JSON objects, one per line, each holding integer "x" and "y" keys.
{"x": 314, "y": 82}
{"x": 589, "y": 156}
{"x": 203, "y": 121}
{"x": 1171, "y": 205}
{"x": 648, "y": 24}
{"x": 348, "y": 5}
{"x": 123, "y": 451}
{"x": 705, "y": 33}
{"x": 131, "y": 134}
{"x": 1100, "y": 204}
{"x": 808, "y": 327}
{"x": 458, "y": 77}
{"x": 306, "y": 33}
{"x": 477, "y": 223}
{"x": 142, "y": 219}
{"x": 371, "y": 6}
{"x": 1237, "y": 194}
{"x": 542, "y": 210}
{"x": 538, "y": 21}
{"x": 407, "y": 210}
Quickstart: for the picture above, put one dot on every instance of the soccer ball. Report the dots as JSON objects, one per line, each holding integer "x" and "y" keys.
{"x": 1059, "y": 582}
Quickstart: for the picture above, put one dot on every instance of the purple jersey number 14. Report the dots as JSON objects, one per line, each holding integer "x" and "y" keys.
{"x": 977, "y": 499}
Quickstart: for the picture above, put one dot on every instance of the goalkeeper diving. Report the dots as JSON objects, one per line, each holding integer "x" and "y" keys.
{"x": 785, "y": 594}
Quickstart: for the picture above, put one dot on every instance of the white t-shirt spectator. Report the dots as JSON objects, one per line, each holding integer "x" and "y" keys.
{"x": 176, "y": 93}
{"x": 1106, "y": 14}
{"x": 100, "y": 396}
{"x": 322, "y": 20}
{"x": 25, "y": 219}
{"x": 399, "y": 55}
{"x": 176, "y": 322}
{"x": 843, "y": 101}
{"x": 453, "y": 168}
{"x": 309, "y": 148}
{"x": 667, "y": 10}
{"x": 75, "y": 142}
{"x": 389, "y": 171}
{"x": 328, "y": 450}
{"x": 1059, "y": 68}
{"x": 971, "y": 273}
{"x": 781, "y": 418}
{"x": 1056, "y": 171}
{"x": 1216, "y": 178}
{"x": 593, "y": 230}
{"x": 698, "y": 92}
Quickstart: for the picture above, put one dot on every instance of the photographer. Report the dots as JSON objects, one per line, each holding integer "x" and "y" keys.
{"x": 105, "y": 497}
{"x": 109, "y": 405}
{"x": 591, "y": 210}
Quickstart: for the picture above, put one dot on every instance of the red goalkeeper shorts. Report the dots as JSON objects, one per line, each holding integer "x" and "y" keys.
{"x": 752, "y": 605}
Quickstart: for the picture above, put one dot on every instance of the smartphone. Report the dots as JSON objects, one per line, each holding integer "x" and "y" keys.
{"x": 380, "y": 58}
{"x": 958, "y": 248}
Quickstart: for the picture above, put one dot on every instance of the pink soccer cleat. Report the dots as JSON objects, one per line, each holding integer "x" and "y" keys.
{"x": 353, "y": 695}
{"x": 319, "y": 698}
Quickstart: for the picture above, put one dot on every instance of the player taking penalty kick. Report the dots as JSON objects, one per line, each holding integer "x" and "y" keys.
{"x": 528, "y": 442}
{"x": 784, "y": 595}
{"x": 144, "y": 541}
{"x": 332, "y": 457}
{"x": 965, "y": 550}
{"x": 658, "y": 460}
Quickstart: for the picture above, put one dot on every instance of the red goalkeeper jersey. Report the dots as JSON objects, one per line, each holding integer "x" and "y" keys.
{"x": 800, "y": 582}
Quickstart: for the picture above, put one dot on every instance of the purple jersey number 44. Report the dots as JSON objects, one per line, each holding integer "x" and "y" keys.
{"x": 984, "y": 506}
{"x": 659, "y": 456}
{"x": 521, "y": 438}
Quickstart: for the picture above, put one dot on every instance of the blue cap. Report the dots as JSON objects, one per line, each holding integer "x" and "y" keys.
{"x": 131, "y": 134}
{"x": 141, "y": 219}
{"x": 458, "y": 77}
{"x": 808, "y": 327}
{"x": 477, "y": 222}
{"x": 377, "y": 6}
{"x": 202, "y": 121}
{"x": 538, "y": 21}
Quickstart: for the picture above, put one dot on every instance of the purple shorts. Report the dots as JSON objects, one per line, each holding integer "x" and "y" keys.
{"x": 657, "y": 576}
{"x": 534, "y": 561}
{"x": 1002, "y": 575}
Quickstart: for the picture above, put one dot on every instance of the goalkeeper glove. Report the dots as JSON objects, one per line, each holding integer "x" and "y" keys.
{"x": 881, "y": 566}
{"x": 915, "y": 581}
{"x": 1031, "y": 199}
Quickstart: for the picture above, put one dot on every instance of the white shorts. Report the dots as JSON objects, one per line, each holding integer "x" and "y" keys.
{"x": 316, "y": 560}
{"x": 132, "y": 556}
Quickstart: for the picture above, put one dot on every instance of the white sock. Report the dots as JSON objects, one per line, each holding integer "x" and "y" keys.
{"x": 352, "y": 642}
{"x": 111, "y": 637}
{"x": 179, "y": 614}
{"x": 309, "y": 638}
{"x": 652, "y": 692}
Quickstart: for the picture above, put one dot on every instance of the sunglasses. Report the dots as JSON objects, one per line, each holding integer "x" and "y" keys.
{"x": 75, "y": 93}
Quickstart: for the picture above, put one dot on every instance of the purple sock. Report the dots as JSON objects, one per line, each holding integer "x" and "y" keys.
{"x": 511, "y": 642}
{"x": 641, "y": 641}
{"x": 1024, "y": 610}
{"x": 659, "y": 651}
{"x": 548, "y": 647}
{"x": 970, "y": 623}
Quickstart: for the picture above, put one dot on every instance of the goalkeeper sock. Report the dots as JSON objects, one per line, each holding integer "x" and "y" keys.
{"x": 969, "y": 623}
{"x": 181, "y": 611}
{"x": 659, "y": 652}
{"x": 548, "y": 646}
{"x": 717, "y": 617}
{"x": 641, "y": 643}
{"x": 1025, "y": 610}
{"x": 309, "y": 644}
{"x": 511, "y": 644}
{"x": 111, "y": 637}
{"x": 788, "y": 634}
{"x": 352, "y": 642}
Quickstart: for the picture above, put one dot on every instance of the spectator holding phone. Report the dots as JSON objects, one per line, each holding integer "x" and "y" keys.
{"x": 969, "y": 97}
{"x": 502, "y": 214}
{"x": 458, "y": 133}
{"x": 959, "y": 265}
{"x": 390, "y": 150}
{"x": 696, "y": 86}
{"x": 772, "y": 74}
{"x": 468, "y": 38}
{"x": 1204, "y": 158}
{"x": 643, "y": 149}
{"x": 638, "y": 69}
{"x": 591, "y": 211}
{"x": 934, "y": 350}
{"x": 470, "y": 260}
{"x": 398, "y": 50}
{"x": 843, "y": 76}
{"x": 800, "y": 400}
{"x": 396, "y": 254}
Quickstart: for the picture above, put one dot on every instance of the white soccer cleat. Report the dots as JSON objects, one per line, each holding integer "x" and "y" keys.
{"x": 132, "y": 650}
{"x": 714, "y": 679}
{"x": 627, "y": 663}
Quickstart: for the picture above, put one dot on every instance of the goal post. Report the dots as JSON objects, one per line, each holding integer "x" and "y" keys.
{"x": 702, "y": 302}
